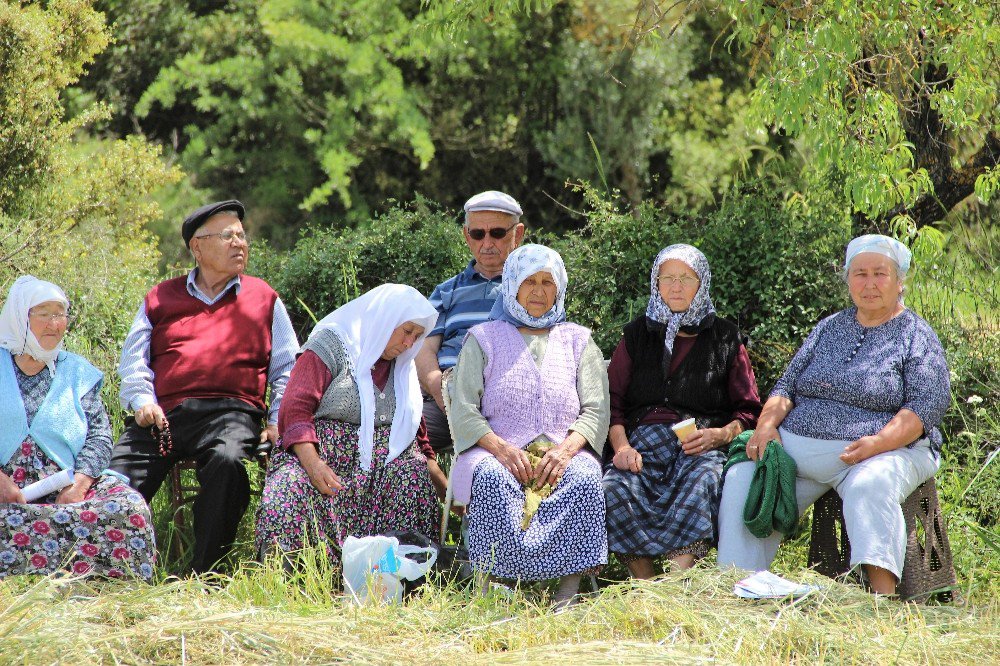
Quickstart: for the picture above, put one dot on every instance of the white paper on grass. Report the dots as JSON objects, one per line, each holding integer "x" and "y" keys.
{"x": 766, "y": 585}
{"x": 49, "y": 484}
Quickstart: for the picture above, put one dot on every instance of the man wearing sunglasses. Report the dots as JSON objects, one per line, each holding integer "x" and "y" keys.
{"x": 492, "y": 230}
{"x": 196, "y": 364}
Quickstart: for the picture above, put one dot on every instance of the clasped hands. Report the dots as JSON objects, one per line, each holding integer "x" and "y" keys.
{"x": 548, "y": 470}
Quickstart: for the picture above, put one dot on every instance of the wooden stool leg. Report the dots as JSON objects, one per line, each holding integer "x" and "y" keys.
{"x": 176, "y": 503}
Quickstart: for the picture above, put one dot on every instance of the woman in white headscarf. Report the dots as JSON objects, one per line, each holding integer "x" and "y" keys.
{"x": 675, "y": 362}
{"x": 528, "y": 377}
{"x": 52, "y": 421}
{"x": 858, "y": 410}
{"x": 352, "y": 457}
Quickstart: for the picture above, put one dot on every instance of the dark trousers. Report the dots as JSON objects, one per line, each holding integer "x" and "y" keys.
{"x": 437, "y": 427}
{"x": 219, "y": 434}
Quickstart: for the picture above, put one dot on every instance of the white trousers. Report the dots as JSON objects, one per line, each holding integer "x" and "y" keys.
{"x": 872, "y": 491}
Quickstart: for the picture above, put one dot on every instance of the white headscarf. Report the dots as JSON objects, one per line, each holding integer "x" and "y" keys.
{"x": 879, "y": 244}
{"x": 522, "y": 263}
{"x": 365, "y": 325}
{"x": 15, "y": 333}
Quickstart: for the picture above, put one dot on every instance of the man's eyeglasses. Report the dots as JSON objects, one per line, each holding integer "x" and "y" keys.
{"x": 228, "y": 235}
{"x": 495, "y": 232}
{"x": 58, "y": 317}
{"x": 685, "y": 280}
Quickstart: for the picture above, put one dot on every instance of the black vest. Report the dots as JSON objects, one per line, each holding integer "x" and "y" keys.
{"x": 699, "y": 388}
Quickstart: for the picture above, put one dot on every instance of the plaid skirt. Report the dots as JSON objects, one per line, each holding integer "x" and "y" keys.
{"x": 390, "y": 496}
{"x": 669, "y": 505}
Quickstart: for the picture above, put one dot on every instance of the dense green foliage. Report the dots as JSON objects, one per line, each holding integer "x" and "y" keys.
{"x": 319, "y": 112}
{"x": 329, "y": 267}
{"x": 73, "y": 211}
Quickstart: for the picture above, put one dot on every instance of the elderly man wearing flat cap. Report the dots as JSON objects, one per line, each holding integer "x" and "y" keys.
{"x": 195, "y": 367}
{"x": 492, "y": 230}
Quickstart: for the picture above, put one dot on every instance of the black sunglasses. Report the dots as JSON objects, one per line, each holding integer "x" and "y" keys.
{"x": 495, "y": 232}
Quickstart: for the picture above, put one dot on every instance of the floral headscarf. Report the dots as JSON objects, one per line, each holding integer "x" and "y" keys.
{"x": 520, "y": 264}
{"x": 699, "y": 315}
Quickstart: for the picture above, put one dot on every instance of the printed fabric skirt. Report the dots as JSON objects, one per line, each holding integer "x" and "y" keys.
{"x": 394, "y": 496}
{"x": 566, "y": 536}
{"x": 671, "y": 506}
{"x": 107, "y": 534}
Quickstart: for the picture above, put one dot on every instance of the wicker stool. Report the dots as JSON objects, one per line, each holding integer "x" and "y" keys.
{"x": 928, "y": 564}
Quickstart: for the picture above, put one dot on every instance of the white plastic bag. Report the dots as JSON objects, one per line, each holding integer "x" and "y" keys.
{"x": 374, "y": 567}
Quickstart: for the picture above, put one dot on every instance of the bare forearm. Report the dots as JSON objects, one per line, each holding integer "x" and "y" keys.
{"x": 491, "y": 443}
{"x": 618, "y": 437}
{"x": 428, "y": 370}
{"x": 904, "y": 428}
{"x": 774, "y": 412}
{"x": 574, "y": 442}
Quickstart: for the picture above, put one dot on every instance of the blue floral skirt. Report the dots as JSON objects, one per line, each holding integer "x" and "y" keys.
{"x": 107, "y": 534}
{"x": 566, "y": 536}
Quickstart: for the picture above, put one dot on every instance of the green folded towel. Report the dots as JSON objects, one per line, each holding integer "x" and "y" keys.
{"x": 771, "y": 501}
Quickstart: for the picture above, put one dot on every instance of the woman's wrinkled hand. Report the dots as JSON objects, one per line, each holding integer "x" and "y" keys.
{"x": 861, "y": 449}
{"x": 627, "y": 459}
{"x": 76, "y": 491}
{"x": 704, "y": 440}
{"x": 323, "y": 478}
{"x": 552, "y": 466}
{"x": 758, "y": 441}
{"x": 516, "y": 461}
{"x": 9, "y": 492}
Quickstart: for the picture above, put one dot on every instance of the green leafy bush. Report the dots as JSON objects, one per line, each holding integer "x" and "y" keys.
{"x": 772, "y": 267}
{"x": 420, "y": 245}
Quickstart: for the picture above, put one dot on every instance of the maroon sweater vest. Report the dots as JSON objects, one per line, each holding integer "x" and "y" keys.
{"x": 210, "y": 351}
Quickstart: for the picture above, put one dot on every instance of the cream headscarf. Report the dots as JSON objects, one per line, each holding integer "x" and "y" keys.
{"x": 15, "y": 333}
{"x": 365, "y": 325}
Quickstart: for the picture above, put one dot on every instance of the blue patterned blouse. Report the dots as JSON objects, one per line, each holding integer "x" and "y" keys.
{"x": 96, "y": 452}
{"x": 847, "y": 381}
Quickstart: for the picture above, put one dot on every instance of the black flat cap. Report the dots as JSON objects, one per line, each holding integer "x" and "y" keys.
{"x": 198, "y": 218}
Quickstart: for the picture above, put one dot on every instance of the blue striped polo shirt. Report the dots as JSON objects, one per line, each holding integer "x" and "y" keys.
{"x": 462, "y": 302}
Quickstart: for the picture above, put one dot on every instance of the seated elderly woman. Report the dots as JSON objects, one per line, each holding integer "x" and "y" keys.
{"x": 858, "y": 410}
{"x": 675, "y": 362}
{"x": 352, "y": 457}
{"x": 529, "y": 377}
{"x": 52, "y": 419}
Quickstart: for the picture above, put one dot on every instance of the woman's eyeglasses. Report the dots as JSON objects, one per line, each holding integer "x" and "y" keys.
{"x": 495, "y": 232}
{"x": 684, "y": 280}
{"x": 58, "y": 317}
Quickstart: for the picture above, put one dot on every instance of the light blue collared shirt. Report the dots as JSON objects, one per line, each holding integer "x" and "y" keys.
{"x": 137, "y": 377}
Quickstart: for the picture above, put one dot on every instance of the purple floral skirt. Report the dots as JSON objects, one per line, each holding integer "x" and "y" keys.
{"x": 107, "y": 534}
{"x": 390, "y": 496}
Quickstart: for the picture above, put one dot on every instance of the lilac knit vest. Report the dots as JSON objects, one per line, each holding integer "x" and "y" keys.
{"x": 522, "y": 400}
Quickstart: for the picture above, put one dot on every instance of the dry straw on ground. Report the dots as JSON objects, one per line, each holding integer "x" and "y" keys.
{"x": 261, "y": 616}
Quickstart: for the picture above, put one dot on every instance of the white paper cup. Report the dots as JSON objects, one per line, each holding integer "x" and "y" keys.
{"x": 684, "y": 429}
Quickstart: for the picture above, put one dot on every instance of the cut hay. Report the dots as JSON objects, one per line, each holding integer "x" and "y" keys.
{"x": 261, "y": 616}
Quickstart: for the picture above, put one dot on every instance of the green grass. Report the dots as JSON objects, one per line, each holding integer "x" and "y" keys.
{"x": 260, "y": 615}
